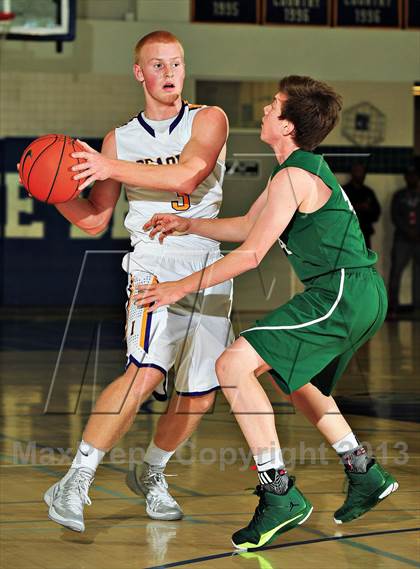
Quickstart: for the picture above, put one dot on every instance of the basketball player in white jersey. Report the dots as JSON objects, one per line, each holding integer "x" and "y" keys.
{"x": 169, "y": 158}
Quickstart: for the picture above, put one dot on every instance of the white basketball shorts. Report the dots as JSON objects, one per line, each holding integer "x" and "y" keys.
{"x": 190, "y": 334}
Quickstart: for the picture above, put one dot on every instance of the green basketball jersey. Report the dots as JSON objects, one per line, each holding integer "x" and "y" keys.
{"x": 329, "y": 238}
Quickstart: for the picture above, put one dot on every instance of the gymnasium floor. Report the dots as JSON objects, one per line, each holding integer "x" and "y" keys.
{"x": 380, "y": 395}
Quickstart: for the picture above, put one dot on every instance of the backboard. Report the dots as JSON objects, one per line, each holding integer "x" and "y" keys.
{"x": 41, "y": 20}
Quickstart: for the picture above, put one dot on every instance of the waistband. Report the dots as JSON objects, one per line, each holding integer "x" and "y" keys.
{"x": 332, "y": 278}
{"x": 179, "y": 260}
{"x": 175, "y": 248}
{"x": 349, "y": 271}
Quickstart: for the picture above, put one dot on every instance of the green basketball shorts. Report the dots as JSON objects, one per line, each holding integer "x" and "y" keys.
{"x": 313, "y": 337}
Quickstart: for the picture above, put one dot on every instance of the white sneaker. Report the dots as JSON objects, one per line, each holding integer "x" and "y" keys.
{"x": 149, "y": 481}
{"x": 67, "y": 497}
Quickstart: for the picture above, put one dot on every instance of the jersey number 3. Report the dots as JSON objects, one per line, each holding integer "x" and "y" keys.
{"x": 182, "y": 203}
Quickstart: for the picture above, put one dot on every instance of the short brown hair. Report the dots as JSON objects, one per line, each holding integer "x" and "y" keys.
{"x": 312, "y": 106}
{"x": 159, "y": 36}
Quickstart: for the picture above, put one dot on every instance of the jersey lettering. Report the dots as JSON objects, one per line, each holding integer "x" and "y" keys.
{"x": 160, "y": 161}
{"x": 182, "y": 203}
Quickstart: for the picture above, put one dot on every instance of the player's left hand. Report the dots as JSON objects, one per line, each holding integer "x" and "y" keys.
{"x": 95, "y": 167}
{"x": 157, "y": 295}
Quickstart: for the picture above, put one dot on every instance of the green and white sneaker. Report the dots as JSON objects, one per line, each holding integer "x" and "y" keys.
{"x": 365, "y": 490}
{"x": 149, "y": 481}
{"x": 275, "y": 514}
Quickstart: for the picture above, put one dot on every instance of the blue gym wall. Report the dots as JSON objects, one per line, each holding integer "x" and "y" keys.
{"x": 44, "y": 271}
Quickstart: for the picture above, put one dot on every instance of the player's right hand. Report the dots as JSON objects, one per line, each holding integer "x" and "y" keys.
{"x": 166, "y": 224}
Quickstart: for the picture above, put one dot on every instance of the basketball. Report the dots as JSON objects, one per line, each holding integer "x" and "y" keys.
{"x": 45, "y": 168}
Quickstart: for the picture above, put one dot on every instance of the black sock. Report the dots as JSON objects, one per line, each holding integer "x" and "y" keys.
{"x": 274, "y": 480}
{"x": 356, "y": 460}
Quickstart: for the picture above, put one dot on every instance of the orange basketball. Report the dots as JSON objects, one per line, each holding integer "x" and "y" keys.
{"x": 45, "y": 168}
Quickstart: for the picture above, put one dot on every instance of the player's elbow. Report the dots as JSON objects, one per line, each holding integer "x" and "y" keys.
{"x": 97, "y": 227}
{"x": 257, "y": 257}
{"x": 94, "y": 230}
{"x": 256, "y": 260}
{"x": 252, "y": 260}
{"x": 98, "y": 222}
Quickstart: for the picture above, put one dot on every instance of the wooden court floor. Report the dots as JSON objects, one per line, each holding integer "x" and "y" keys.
{"x": 380, "y": 395}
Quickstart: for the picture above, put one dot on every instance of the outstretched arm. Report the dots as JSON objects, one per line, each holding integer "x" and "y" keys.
{"x": 234, "y": 229}
{"x": 197, "y": 160}
{"x": 282, "y": 202}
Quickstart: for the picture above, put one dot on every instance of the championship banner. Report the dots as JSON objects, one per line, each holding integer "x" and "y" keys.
{"x": 297, "y": 12}
{"x": 368, "y": 13}
{"x": 225, "y": 11}
{"x": 412, "y": 14}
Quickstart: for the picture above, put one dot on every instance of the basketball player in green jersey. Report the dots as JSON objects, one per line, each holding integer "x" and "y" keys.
{"x": 306, "y": 343}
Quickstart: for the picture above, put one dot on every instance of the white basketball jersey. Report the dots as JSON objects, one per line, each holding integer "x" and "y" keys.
{"x": 161, "y": 142}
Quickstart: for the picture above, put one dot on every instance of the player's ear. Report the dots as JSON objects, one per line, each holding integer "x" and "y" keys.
{"x": 289, "y": 128}
{"x": 138, "y": 73}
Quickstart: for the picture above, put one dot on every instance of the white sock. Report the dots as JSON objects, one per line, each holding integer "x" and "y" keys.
{"x": 87, "y": 456}
{"x": 268, "y": 459}
{"x": 156, "y": 456}
{"x": 346, "y": 444}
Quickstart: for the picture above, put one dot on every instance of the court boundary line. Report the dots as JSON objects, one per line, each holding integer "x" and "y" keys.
{"x": 291, "y": 544}
{"x": 371, "y": 549}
